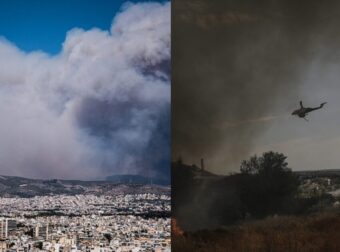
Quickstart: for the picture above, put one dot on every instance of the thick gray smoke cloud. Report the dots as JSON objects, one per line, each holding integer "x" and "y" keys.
{"x": 98, "y": 108}
{"x": 239, "y": 66}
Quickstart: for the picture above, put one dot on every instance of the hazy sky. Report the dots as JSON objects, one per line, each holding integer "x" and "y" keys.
{"x": 84, "y": 89}
{"x": 241, "y": 67}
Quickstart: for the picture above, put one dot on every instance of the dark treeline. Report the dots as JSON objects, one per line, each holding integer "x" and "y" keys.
{"x": 265, "y": 186}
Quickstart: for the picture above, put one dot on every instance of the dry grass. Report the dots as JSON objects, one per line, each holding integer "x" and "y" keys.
{"x": 312, "y": 233}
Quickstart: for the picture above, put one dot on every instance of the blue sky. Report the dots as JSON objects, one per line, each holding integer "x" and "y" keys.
{"x": 42, "y": 25}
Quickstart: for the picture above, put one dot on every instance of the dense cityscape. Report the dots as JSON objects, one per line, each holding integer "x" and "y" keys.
{"x": 133, "y": 222}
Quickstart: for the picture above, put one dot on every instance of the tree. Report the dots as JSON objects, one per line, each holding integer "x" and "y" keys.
{"x": 108, "y": 236}
{"x": 269, "y": 185}
{"x": 269, "y": 162}
{"x": 39, "y": 245}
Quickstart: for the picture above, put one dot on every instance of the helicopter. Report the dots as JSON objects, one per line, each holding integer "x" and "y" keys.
{"x": 302, "y": 111}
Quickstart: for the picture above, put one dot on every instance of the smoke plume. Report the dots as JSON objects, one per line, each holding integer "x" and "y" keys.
{"x": 99, "y": 107}
{"x": 238, "y": 66}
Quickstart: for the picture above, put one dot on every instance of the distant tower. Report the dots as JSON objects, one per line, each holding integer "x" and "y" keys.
{"x": 42, "y": 230}
{"x": 3, "y": 228}
{"x": 202, "y": 164}
{"x": 6, "y": 228}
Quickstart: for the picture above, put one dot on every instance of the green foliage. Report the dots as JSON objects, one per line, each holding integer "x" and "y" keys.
{"x": 269, "y": 186}
{"x": 108, "y": 237}
{"x": 265, "y": 186}
{"x": 39, "y": 245}
{"x": 269, "y": 162}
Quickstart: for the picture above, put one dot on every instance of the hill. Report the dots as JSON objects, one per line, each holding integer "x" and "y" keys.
{"x": 136, "y": 179}
{"x": 11, "y": 186}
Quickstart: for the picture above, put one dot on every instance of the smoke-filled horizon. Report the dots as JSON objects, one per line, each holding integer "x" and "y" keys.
{"x": 100, "y": 107}
{"x": 241, "y": 67}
